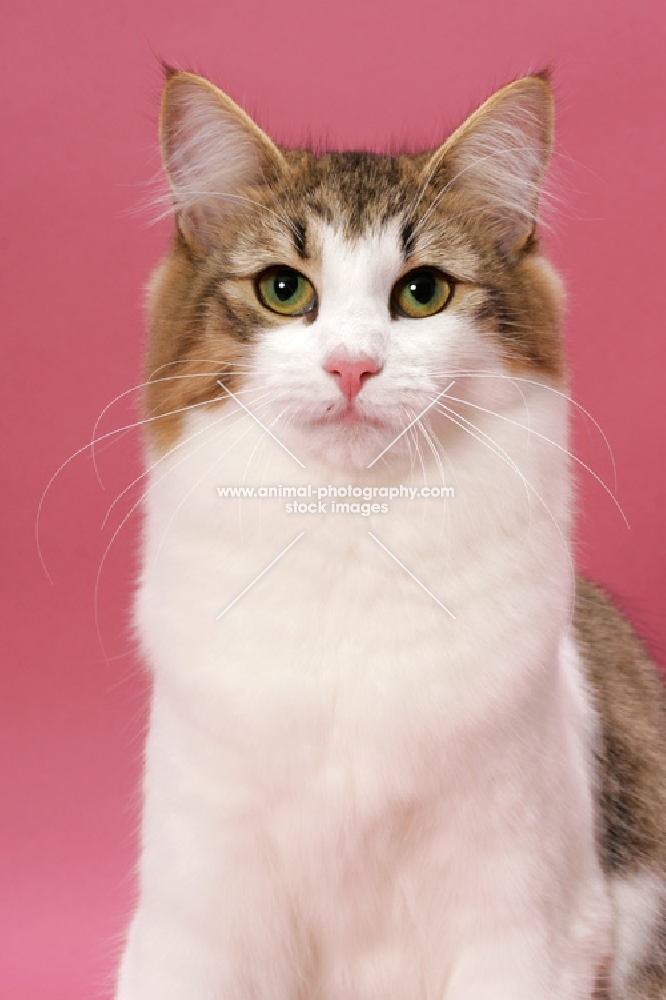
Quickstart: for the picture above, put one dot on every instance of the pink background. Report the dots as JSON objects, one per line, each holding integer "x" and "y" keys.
{"x": 80, "y": 96}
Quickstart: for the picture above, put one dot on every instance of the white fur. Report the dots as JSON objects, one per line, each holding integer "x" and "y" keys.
{"x": 349, "y": 795}
{"x": 638, "y": 901}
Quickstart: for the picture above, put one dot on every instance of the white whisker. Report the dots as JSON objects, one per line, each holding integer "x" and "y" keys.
{"x": 135, "y": 388}
{"x": 461, "y": 422}
{"x": 138, "y": 503}
{"x": 555, "y": 444}
{"x": 194, "y": 486}
{"x": 452, "y": 372}
{"x": 163, "y": 457}
{"x": 500, "y": 451}
{"x": 86, "y": 447}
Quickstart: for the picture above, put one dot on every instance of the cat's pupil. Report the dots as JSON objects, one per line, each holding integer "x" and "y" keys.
{"x": 285, "y": 285}
{"x": 422, "y": 288}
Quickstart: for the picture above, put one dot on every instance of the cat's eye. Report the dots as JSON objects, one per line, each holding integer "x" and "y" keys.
{"x": 285, "y": 291}
{"x": 423, "y": 292}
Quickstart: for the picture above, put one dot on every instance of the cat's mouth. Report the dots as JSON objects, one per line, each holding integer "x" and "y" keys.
{"x": 342, "y": 434}
{"x": 347, "y": 416}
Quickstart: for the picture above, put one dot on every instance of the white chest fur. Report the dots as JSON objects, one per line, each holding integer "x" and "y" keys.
{"x": 347, "y": 787}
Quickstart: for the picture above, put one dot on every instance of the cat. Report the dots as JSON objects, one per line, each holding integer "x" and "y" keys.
{"x": 402, "y": 751}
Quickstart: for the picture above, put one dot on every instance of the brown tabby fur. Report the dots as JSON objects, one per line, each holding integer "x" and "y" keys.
{"x": 630, "y": 698}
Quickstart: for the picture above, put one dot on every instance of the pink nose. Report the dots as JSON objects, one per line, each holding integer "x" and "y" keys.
{"x": 351, "y": 372}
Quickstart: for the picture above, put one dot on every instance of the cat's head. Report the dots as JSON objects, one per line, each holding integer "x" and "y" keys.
{"x": 339, "y": 294}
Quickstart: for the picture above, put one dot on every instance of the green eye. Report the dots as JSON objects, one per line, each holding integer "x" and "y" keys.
{"x": 285, "y": 291}
{"x": 423, "y": 292}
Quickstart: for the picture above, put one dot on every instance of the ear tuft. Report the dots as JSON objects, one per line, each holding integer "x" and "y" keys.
{"x": 545, "y": 74}
{"x": 211, "y": 150}
{"x": 167, "y": 70}
{"x": 499, "y": 156}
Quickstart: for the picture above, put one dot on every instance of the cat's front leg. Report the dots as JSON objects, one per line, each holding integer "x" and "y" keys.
{"x": 164, "y": 959}
{"x": 538, "y": 959}
{"x": 213, "y": 919}
{"x": 504, "y": 970}
{"x": 204, "y": 938}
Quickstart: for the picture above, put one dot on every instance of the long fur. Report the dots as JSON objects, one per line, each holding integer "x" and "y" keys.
{"x": 383, "y": 759}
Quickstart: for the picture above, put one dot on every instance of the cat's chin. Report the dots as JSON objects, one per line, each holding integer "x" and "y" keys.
{"x": 348, "y": 442}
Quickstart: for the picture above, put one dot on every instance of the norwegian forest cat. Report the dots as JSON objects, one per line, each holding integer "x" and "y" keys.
{"x": 396, "y": 748}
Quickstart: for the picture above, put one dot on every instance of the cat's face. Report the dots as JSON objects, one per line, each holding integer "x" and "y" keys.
{"x": 338, "y": 296}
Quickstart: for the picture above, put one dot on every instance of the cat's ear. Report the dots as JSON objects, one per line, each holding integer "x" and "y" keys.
{"x": 211, "y": 150}
{"x": 499, "y": 156}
